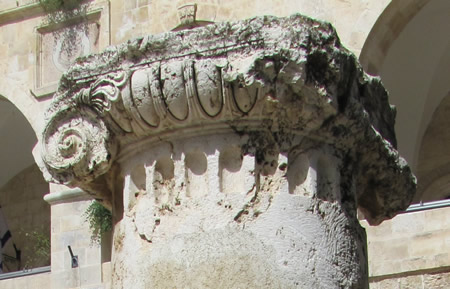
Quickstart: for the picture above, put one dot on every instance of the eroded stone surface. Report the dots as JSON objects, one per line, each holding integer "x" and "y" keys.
{"x": 237, "y": 219}
{"x": 291, "y": 75}
{"x": 241, "y": 145}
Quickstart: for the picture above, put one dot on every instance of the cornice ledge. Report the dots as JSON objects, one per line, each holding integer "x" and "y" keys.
{"x": 287, "y": 76}
{"x": 21, "y": 13}
{"x": 67, "y": 196}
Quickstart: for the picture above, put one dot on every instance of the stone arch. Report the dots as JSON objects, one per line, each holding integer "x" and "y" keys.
{"x": 434, "y": 159}
{"x": 24, "y": 102}
{"x": 386, "y": 30}
{"x": 408, "y": 50}
{"x": 22, "y": 188}
{"x": 18, "y": 139}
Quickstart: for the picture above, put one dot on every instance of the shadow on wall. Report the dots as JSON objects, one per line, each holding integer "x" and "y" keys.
{"x": 24, "y": 213}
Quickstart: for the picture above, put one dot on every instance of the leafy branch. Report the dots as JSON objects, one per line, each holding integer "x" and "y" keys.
{"x": 63, "y": 10}
{"x": 99, "y": 219}
{"x": 37, "y": 247}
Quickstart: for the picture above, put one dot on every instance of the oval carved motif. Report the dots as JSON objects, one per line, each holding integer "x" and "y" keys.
{"x": 245, "y": 97}
{"x": 154, "y": 79}
{"x": 142, "y": 98}
{"x": 209, "y": 87}
{"x": 174, "y": 90}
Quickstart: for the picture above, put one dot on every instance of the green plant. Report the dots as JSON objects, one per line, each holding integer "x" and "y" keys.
{"x": 62, "y": 10}
{"x": 67, "y": 18}
{"x": 177, "y": 200}
{"x": 166, "y": 207}
{"x": 37, "y": 248}
{"x": 99, "y": 219}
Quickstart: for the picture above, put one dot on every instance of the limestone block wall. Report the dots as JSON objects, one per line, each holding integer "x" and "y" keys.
{"x": 412, "y": 248}
{"x": 19, "y": 55}
{"x": 421, "y": 281}
{"x": 134, "y": 18}
{"x": 26, "y": 212}
{"x": 68, "y": 228}
{"x": 34, "y": 61}
{"x": 38, "y": 281}
{"x": 7, "y": 4}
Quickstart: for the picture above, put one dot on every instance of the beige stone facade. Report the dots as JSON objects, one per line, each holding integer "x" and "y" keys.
{"x": 403, "y": 42}
{"x": 410, "y": 249}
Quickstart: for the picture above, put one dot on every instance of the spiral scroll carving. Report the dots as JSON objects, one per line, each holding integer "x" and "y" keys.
{"x": 77, "y": 147}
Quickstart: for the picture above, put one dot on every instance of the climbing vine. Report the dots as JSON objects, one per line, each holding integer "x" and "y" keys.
{"x": 69, "y": 18}
{"x": 58, "y": 11}
{"x": 99, "y": 219}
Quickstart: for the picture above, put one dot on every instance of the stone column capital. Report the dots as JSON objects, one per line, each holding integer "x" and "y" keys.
{"x": 288, "y": 77}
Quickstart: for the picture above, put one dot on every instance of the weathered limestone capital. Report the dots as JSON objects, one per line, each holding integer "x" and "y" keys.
{"x": 234, "y": 117}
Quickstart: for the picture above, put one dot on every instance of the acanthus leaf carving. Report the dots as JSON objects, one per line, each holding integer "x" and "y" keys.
{"x": 103, "y": 92}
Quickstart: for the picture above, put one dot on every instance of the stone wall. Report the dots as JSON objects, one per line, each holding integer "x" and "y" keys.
{"x": 39, "y": 281}
{"x": 134, "y": 18}
{"x": 411, "y": 248}
{"x": 420, "y": 281}
{"x": 69, "y": 228}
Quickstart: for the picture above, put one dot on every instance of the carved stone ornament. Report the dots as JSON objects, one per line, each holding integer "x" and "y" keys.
{"x": 187, "y": 13}
{"x": 285, "y": 76}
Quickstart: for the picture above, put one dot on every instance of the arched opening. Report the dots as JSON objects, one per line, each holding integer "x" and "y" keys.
{"x": 409, "y": 49}
{"x": 24, "y": 213}
{"x": 433, "y": 170}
